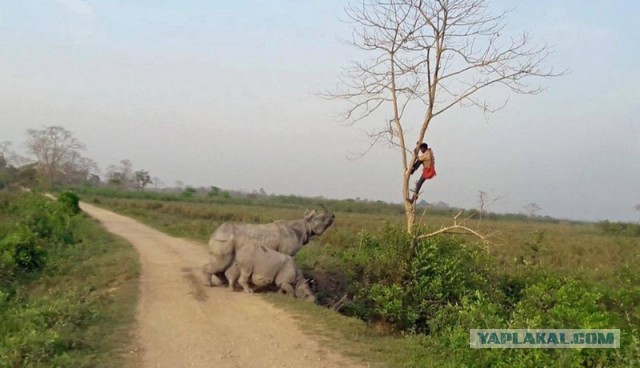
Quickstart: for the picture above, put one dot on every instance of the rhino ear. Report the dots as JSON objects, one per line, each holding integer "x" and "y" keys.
{"x": 309, "y": 216}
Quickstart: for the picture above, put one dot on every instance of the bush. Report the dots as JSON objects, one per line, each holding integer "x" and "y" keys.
{"x": 408, "y": 293}
{"x": 71, "y": 201}
{"x": 21, "y": 251}
{"x": 548, "y": 302}
{"x": 37, "y": 225}
{"x": 47, "y": 219}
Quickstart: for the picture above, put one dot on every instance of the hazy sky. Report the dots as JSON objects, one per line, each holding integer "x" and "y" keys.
{"x": 224, "y": 93}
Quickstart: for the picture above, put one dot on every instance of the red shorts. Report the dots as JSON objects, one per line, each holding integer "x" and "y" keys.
{"x": 428, "y": 173}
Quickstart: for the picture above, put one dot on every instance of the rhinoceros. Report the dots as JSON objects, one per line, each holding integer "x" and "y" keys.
{"x": 263, "y": 267}
{"x": 284, "y": 236}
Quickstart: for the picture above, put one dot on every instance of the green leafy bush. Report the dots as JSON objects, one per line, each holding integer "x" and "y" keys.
{"x": 71, "y": 201}
{"x": 38, "y": 225}
{"x": 48, "y": 219}
{"x": 21, "y": 250}
{"x": 407, "y": 292}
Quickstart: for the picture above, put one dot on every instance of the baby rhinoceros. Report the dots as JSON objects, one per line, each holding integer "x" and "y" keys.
{"x": 263, "y": 266}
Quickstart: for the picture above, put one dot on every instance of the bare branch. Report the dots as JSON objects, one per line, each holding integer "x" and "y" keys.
{"x": 340, "y": 303}
{"x": 457, "y": 229}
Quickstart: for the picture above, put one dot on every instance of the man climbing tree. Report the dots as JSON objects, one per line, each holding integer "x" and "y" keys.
{"x": 423, "y": 156}
{"x": 423, "y": 58}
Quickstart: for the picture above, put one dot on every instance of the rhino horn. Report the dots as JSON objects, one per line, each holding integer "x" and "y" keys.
{"x": 324, "y": 208}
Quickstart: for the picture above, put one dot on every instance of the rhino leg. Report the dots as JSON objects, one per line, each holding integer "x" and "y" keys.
{"x": 220, "y": 258}
{"x": 244, "y": 281}
{"x": 232, "y": 274}
{"x": 286, "y": 276}
{"x": 206, "y": 271}
{"x": 217, "y": 265}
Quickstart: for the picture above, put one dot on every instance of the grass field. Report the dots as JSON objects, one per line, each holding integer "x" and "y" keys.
{"x": 569, "y": 247}
{"x": 75, "y": 306}
{"x": 534, "y": 273}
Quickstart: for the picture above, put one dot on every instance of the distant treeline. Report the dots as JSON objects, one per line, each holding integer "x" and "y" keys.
{"x": 620, "y": 228}
{"x": 216, "y": 195}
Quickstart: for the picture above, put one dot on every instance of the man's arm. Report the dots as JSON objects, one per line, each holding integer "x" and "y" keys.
{"x": 416, "y": 165}
{"x": 416, "y": 160}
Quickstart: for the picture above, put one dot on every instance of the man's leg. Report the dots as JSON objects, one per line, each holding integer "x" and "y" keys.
{"x": 418, "y": 186}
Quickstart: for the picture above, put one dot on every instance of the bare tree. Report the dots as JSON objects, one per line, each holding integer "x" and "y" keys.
{"x": 4, "y": 150}
{"x": 428, "y": 56}
{"x": 9, "y": 157}
{"x": 121, "y": 175}
{"x": 484, "y": 202}
{"x": 79, "y": 170}
{"x": 142, "y": 179}
{"x": 157, "y": 182}
{"x": 532, "y": 209}
{"x": 53, "y": 147}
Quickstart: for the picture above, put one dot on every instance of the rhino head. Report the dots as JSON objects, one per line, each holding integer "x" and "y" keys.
{"x": 303, "y": 291}
{"x": 319, "y": 222}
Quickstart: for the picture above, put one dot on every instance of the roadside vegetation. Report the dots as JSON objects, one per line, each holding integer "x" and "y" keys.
{"x": 67, "y": 288}
{"x": 415, "y": 308}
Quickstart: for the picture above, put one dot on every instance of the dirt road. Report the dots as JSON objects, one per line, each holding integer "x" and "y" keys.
{"x": 182, "y": 323}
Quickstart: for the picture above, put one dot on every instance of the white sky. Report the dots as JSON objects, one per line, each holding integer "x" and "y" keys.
{"x": 223, "y": 93}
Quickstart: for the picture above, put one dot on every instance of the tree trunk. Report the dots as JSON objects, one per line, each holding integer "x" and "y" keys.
{"x": 409, "y": 208}
{"x": 411, "y": 217}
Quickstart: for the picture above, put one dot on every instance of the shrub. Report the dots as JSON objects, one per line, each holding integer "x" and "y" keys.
{"x": 21, "y": 251}
{"x": 47, "y": 219}
{"x": 408, "y": 294}
{"x": 557, "y": 302}
{"x": 37, "y": 225}
{"x": 188, "y": 192}
{"x": 71, "y": 201}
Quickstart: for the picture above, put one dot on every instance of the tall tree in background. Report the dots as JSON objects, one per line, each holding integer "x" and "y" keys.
{"x": 4, "y": 149}
{"x": 53, "y": 147}
{"x": 8, "y": 157}
{"x": 79, "y": 170}
{"x": 122, "y": 175}
{"x": 532, "y": 209}
{"x": 142, "y": 179}
{"x": 428, "y": 56}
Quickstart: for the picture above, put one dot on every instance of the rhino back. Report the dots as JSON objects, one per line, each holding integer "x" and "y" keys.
{"x": 277, "y": 236}
{"x": 221, "y": 244}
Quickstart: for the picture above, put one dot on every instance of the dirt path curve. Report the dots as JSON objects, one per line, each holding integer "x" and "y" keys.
{"x": 182, "y": 323}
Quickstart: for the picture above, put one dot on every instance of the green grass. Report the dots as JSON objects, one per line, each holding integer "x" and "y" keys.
{"x": 78, "y": 309}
